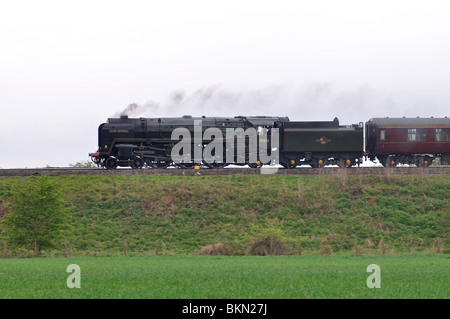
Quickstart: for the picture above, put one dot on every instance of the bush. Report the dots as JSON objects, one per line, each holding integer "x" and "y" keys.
{"x": 267, "y": 241}
{"x": 214, "y": 250}
{"x": 382, "y": 247}
{"x": 326, "y": 250}
{"x": 268, "y": 246}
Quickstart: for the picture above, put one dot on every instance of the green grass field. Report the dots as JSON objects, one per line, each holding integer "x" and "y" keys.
{"x": 223, "y": 277}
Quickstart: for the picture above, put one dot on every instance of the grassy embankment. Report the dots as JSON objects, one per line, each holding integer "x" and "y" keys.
{"x": 354, "y": 214}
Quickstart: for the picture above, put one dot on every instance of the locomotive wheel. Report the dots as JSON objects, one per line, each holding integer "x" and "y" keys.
{"x": 342, "y": 163}
{"x": 390, "y": 162}
{"x": 111, "y": 163}
{"x": 285, "y": 165}
{"x": 424, "y": 161}
{"x": 382, "y": 160}
{"x": 161, "y": 164}
{"x": 137, "y": 163}
{"x": 319, "y": 163}
{"x": 186, "y": 165}
{"x": 214, "y": 165}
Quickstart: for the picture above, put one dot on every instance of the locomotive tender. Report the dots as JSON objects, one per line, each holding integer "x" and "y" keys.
{"x": 149, "y": 142}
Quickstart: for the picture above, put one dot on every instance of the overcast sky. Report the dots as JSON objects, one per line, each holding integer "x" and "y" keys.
{"x": 66, "y": 66}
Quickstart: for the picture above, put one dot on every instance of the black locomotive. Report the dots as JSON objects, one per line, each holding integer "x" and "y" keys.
{"x": 150, "y": 142}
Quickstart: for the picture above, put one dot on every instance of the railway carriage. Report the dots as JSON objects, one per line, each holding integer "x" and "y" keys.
{"x": 408, "y": 140}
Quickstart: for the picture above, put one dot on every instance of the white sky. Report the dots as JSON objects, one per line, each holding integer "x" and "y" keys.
{"x": 66, "y": 66}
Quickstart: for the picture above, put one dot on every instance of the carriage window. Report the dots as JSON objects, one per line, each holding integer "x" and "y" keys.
{"x": 442, "y": 135}
{"x": 382, "y": 135}
{"x": 417, "y": 135}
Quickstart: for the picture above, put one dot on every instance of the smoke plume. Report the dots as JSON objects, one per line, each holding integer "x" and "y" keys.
{"x": 135, "y": 110}
{"x": 305, "y": 102}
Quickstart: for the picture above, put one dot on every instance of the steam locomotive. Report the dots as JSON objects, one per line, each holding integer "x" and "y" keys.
{"x": 151, "y": 142}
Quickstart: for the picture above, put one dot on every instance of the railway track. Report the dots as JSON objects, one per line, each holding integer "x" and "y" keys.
{"x": 266, "y": 171}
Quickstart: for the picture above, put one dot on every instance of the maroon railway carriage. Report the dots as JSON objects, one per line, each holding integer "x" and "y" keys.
{"x": 408, "y": 140}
